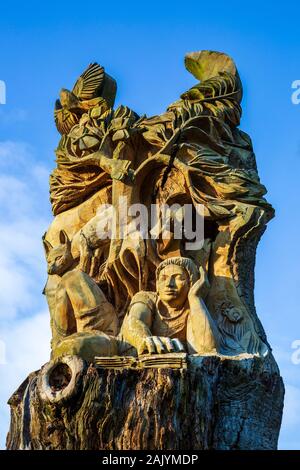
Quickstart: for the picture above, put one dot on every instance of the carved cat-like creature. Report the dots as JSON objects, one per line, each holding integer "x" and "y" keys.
{"x": 77, "y": 303}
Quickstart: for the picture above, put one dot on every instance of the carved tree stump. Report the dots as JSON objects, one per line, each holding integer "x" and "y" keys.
{"x": 213, "y": 403}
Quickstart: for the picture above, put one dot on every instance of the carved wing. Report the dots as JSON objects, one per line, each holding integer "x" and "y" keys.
{"x": 90, "y": 82}
{"x": 64, "y": 119}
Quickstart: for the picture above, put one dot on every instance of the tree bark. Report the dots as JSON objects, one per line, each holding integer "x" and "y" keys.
{"x": 213, "y": 403}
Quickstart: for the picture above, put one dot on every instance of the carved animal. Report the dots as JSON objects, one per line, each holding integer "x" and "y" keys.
{"x": 231, "y": 397}
{"x": 93, "y": 87}
{"x": 78, "y": 304}
{"x": 59, "y": 258}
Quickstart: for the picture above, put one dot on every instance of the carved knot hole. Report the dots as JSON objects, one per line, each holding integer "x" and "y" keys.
{"x": 60, "y": 377}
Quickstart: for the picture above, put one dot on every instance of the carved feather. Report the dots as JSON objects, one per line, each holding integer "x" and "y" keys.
{"x": 90, "y": 82}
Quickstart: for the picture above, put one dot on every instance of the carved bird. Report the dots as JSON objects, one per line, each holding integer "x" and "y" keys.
{"x": 93, "y": 87}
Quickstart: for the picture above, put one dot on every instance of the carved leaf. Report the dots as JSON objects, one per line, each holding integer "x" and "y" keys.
{"x": 219, "y": 96}
{"x": 223, "y": 85}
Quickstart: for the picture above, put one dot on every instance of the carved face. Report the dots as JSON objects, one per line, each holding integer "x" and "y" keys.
{"x": 233, "y": 314}
{"x": 59, "y": 258}
{"x": 173, "y": 285}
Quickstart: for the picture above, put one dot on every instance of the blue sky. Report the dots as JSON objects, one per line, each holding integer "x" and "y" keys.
{"x": 45, "y": 47}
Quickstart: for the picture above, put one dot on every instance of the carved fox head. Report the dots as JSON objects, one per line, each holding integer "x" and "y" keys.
{"x": 59, "y": 258}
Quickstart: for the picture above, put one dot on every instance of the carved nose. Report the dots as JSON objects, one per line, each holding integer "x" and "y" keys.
{"x": 171, "y": 282}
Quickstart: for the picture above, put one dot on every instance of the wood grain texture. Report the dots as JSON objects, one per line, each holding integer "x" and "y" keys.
{"x": 215, "y": 403}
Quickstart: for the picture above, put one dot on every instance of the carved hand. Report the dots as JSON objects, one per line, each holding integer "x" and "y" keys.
{"x": 160, "y": 345}
{"x": 200, "y": 288}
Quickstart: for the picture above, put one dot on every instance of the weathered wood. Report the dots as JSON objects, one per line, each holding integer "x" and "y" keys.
{"x": 114, "y": 293}
{"x": 215, "y": 403}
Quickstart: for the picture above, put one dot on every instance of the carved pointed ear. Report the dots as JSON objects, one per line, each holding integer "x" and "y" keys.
{"x": 47, "y": 245}
{"x": 63, "y": 238}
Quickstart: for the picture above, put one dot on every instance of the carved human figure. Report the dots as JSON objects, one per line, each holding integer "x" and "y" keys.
{"x": 80, "y": 306}
{"x": 237, "y": 330}
{"x": 174, "y": 318}
{"x": 193, "y": 153}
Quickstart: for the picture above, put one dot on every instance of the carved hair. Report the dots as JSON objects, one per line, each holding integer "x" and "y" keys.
{"x": 185, "y": 263}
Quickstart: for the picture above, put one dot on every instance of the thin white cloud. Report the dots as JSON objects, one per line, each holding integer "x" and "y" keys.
{"x": 22, "y": 223}
{"x": 24, "y": 216}
{"x": 27, "y": 348}
{"x": 15, "y": 154}
{"x": 13, "y": 115}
